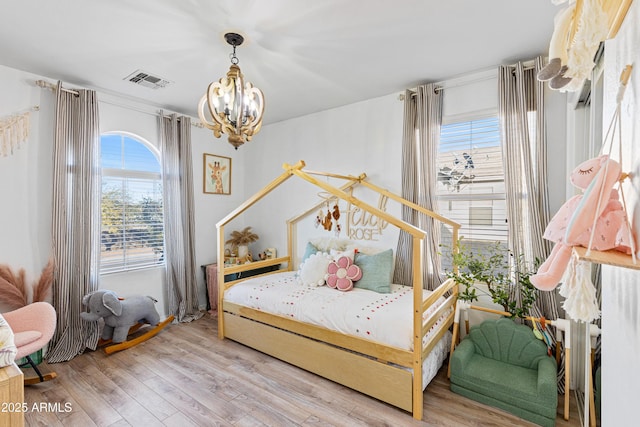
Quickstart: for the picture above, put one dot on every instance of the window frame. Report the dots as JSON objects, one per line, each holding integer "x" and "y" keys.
{"x": 125, "y": 175}
{"x": 501, "y": 234}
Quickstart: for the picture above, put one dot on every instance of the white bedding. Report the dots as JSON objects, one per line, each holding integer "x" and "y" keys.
{"x": 384, "y": 318}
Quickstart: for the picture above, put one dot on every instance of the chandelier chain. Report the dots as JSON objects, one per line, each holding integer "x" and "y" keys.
{"x": 233, "y": 57}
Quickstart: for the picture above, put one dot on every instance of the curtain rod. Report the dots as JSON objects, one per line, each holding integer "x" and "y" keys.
{"x": 50, "y": 86}
{"x": 140, "y": 110}
{"x": 442, "y": 85}
{"x": 46, "y": 85}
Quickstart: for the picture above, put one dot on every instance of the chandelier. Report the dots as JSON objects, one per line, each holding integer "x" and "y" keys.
{"x": 232, "y": 105}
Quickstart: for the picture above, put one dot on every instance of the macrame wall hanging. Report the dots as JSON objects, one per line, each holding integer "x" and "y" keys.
{"x": 14, "y": 131}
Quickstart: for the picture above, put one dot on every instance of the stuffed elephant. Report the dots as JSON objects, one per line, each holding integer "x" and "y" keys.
{"x": 119, "y": 315}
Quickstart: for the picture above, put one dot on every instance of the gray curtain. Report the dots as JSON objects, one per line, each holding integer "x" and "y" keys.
{"x": 179, "y": 227}
{"x": 76, "y": 220}
{"x": 420, "y": 139}
{"x": 523, "y": 133}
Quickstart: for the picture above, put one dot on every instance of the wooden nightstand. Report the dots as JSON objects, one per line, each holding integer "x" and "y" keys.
{"x": 211, "y": 280}
{"x": 12, "y": 396}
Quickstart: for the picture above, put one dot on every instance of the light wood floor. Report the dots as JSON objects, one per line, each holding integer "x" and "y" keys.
{"x": 186, "y": 377}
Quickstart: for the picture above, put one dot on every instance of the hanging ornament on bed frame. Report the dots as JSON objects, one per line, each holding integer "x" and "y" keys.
{"x": 336, "y": 216}
{"x": 336, "y": 212}
{"x": 329, "y": 221}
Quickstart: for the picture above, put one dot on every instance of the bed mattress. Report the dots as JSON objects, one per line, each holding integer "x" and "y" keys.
{"x": 384, "y": 318}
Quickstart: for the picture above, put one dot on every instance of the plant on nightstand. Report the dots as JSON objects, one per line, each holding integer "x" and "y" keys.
{"x": 495, "y": 267}
{"x": 240, "y": 240}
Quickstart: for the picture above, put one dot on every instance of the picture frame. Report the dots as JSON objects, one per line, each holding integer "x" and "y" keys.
{"x": 270, "y": 253}
{"x": 216, "y": 174}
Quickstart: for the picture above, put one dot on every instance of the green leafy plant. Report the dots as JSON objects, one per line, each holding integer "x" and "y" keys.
{"x": 502, "y": 274}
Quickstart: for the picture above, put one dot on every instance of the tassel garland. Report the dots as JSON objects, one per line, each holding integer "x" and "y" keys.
{"x": 581, "y": 302}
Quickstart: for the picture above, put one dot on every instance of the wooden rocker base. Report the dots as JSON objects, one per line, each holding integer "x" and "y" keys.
{"x": 133, "y": 329}
{"x": 39, "y": 377}
{"x": 109, "y": 349}
{"x": 36, "y": 379}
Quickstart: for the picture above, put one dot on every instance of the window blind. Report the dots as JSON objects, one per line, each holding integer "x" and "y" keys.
{"x": 132, "y": 234}
{"x": 470, "y": 186}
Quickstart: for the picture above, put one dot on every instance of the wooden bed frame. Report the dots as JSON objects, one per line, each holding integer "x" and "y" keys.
{"x": 387, "y": 373}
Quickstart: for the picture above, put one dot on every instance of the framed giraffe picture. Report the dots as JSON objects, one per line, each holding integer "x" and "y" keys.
{"x": 217, "y": 174}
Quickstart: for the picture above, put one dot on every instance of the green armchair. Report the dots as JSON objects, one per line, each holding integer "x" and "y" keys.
{"x": 502, "y": 364}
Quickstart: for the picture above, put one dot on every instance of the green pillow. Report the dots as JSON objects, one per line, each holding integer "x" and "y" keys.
{"x": 376, "y": 271}
{"x": 308, "y": 251}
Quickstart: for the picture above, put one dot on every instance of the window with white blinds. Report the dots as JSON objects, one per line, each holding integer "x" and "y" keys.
{"x": 132, "y": 218}
{"x": 470, "y": 184}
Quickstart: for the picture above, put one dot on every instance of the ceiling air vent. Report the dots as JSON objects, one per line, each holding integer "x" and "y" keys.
{"x": 145, "y": 79}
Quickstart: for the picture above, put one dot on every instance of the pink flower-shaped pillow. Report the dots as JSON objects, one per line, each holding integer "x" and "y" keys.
{"x": 342, "y": 273}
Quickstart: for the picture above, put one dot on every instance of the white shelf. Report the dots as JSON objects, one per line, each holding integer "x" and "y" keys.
{"x": 611, "y": 257}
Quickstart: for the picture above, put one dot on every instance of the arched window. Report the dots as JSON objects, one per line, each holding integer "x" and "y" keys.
{"x": 132, "y": 217}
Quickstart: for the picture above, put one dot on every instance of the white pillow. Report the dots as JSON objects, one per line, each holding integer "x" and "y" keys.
{"x": 8, "y": 349}
{"x": 314, "y": 268}
{"x": 325, "y": 244}
{"x": 335, "y": 255}
{"x": 367, "y": 250}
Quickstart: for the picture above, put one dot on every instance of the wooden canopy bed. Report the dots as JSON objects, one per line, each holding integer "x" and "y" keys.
{"x": 386, "y": 372}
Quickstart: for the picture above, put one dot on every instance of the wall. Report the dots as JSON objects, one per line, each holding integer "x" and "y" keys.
{"x": 620, "y": 294}
{"x": 25, "y": 177}
{"x": 117, "y": 114}
{"x": 25, "y": 184}
{"x": 150, "y": 281}
{"x": 364, "y": 137}
{"x": 361, "y": 137}
{"x": 478, "y": 92}
{"x": 211, "y": 208}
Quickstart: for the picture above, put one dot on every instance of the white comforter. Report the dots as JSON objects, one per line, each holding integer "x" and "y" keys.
{"x": 385, "y": 318}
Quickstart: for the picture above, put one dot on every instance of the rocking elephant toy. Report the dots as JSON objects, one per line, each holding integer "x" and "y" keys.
{"x": 122, "y": 315}
{"x": 598, "y": 207}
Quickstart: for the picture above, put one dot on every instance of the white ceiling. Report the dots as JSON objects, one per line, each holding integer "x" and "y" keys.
{"x": 306, "y": 56}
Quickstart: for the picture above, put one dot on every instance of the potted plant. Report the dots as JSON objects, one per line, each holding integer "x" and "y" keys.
{"x": 240, "y": 240}
{"x": 495, "y": 267}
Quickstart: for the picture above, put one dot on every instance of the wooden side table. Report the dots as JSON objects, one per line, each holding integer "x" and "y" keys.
{"x": 211, "y": 281}
{"x": 12, "y": 396}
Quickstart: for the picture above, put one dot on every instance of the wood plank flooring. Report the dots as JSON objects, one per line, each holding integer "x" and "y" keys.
{"x": 185, "y": 376}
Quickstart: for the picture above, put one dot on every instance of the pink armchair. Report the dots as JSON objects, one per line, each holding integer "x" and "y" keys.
{"x": 33, "y": 326}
